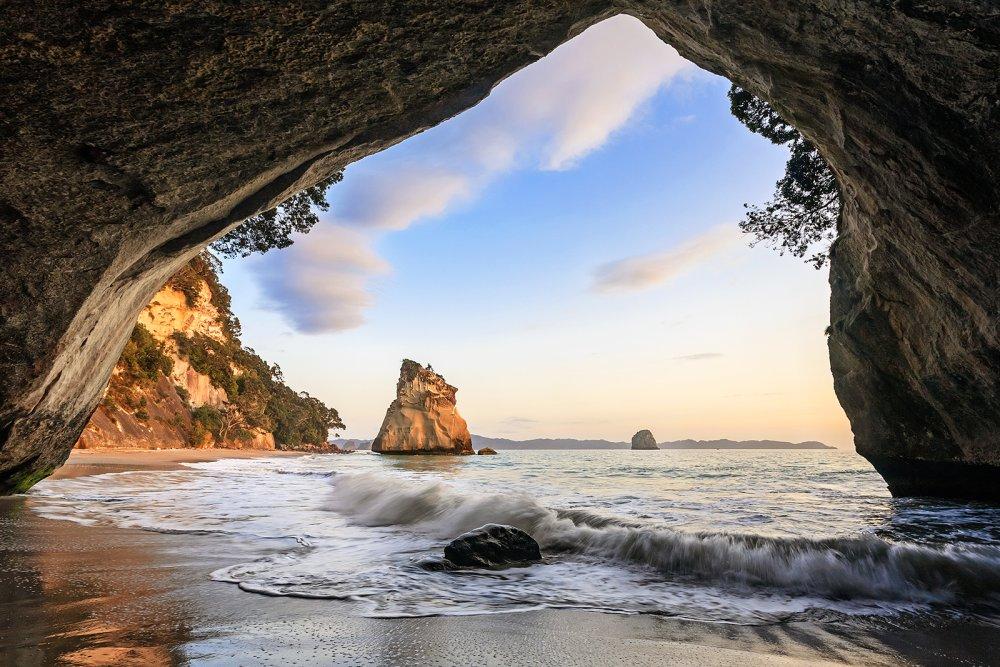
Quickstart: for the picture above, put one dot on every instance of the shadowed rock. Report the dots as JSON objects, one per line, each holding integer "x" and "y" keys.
{"x": 644, "y": 440}
{"x": 487, "y": 451}
{"x": 493, "y": 547}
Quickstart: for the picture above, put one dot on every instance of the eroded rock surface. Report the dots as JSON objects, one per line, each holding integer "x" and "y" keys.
{"x": 644, "y": 440}
{"x": 133, "y": 135}
{"x": 423, "y": 419}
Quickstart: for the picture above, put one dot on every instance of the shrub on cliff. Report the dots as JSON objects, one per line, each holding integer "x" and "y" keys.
{"x": 143, "y": 358}
{"x": 258, "y": 396}
{"x": 802, "y": 215}
{"x": 205, "y": 420}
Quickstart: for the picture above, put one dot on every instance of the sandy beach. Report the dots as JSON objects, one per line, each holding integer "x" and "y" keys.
{"x": 99, "y": 461}
{"x": 88, "y": 595}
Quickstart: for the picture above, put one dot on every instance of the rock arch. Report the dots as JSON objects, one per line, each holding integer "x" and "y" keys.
{"x": 132, "y": 136}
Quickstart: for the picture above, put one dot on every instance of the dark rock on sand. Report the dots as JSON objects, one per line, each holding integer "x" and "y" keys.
{"x": 493, "y": 547}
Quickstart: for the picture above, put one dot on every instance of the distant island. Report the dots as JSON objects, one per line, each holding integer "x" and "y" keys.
{"x": 501, "y": 444}
{"x": 743, "y": 444}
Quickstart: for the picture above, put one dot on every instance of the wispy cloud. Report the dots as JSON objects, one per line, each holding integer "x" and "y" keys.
{"x": 330, "y": 272}
{"x": 699, "y": 356}
{"x": 519, "y": 421}
{"x": 548, "y": 116}
{"x": 644, "y": 271}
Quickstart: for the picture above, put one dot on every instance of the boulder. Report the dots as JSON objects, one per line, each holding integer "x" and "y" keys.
{"x": 487, "y": 451}
{"x": 423, "y": 418}
{"x": 644, "y": 440}
{"x": 493, "y": 547}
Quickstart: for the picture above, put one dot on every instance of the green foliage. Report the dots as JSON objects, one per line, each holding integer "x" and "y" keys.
{"x": 802, "y": 215}
{"x": 274, "y": 228}
{"x": 205, "y": 420}
{"x": 188, "y": 281}
{"x": 258, "y": 398}
{"x": 209, "y": 357}
{"x": 300, "y": 419}
{"x": 258, "y": 393}
{"x": 143, "y": 359}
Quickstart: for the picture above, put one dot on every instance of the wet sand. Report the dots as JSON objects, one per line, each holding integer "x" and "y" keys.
{"x": 98, "y": 461}
{"x": 73, "y": 594}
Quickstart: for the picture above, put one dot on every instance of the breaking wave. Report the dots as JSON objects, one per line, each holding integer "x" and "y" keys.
{"x": 857, "y": 568}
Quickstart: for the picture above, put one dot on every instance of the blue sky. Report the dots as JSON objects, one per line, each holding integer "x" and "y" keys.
{"x": 566, "y": 254}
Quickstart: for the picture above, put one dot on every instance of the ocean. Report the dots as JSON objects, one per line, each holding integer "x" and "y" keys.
{"x": 747, "y": 537}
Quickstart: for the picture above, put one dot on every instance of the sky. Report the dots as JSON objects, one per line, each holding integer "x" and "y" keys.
{"x": 567, "y": 254}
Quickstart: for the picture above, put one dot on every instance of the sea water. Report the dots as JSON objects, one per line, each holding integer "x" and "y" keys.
{"x": 720, "y": 536}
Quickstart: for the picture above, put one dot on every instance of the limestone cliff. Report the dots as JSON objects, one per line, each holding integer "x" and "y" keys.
{"x": 644, "y": 440}
{"x": 423, "y": 418}
{"x": 184, "y": 380}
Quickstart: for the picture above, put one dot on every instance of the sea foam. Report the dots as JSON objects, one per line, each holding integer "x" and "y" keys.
{"x": 867, "y": 568}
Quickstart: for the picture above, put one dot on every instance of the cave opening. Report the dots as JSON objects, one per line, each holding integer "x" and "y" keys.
{"x": 896, "y": 294}
{"x": 573, "y": 232}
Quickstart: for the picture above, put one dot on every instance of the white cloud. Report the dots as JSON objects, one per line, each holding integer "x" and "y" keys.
{"x": 699, "y": 356}
{"x": 322, "y": 285}
{"x": 643, "y": 271}
{"x": 395, "y": 199}
{"x": 548, "y": 116}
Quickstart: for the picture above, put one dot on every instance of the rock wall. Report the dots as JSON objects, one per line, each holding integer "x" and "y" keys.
{"x": 133, "y": 135}
{"x": 423, "y": 419}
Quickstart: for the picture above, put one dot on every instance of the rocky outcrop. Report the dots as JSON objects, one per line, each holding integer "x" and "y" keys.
{"x": 487, "y": 451}
{"x": 422, "y": 419}
{"x": 493, "y": 547}
{"x": 135, "y": 134}
{"x": 157, "y": 414}
{"x": 158, "y": 398}
{"x": 644, "y": 440}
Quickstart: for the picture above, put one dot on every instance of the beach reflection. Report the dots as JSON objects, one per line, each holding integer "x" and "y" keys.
{"x": 81, "y": 595}
{"x": 441, "y": 465}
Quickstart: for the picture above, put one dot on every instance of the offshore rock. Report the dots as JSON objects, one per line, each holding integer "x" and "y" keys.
{"x": 493, "y": 547}
{"x": 644, "y": 440}
{"x": 423, "y": 418}
{"x": 487, "y": 451}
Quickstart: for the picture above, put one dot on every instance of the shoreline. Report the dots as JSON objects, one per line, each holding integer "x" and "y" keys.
{"x": 86, "y": 462}
{"x": 99, "y": 594}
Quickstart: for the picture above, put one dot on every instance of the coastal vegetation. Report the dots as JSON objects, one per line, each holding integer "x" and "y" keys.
{"x": 801, "y": 217}
{"x": 250, "y": 396}
{"x": 273, "y": 228}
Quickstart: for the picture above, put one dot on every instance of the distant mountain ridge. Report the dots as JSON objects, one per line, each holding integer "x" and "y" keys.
{"x": 499, "y": 444}
{"x": 545, "y": 443}
{"x": 572, "y": 443}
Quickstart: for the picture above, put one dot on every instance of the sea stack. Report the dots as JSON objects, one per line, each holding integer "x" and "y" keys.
{"x": 644, "y": 440}
{"x": 423, "y": 418}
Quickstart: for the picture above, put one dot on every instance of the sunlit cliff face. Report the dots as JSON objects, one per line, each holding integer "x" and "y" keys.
{"x": 423, "y": 419}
